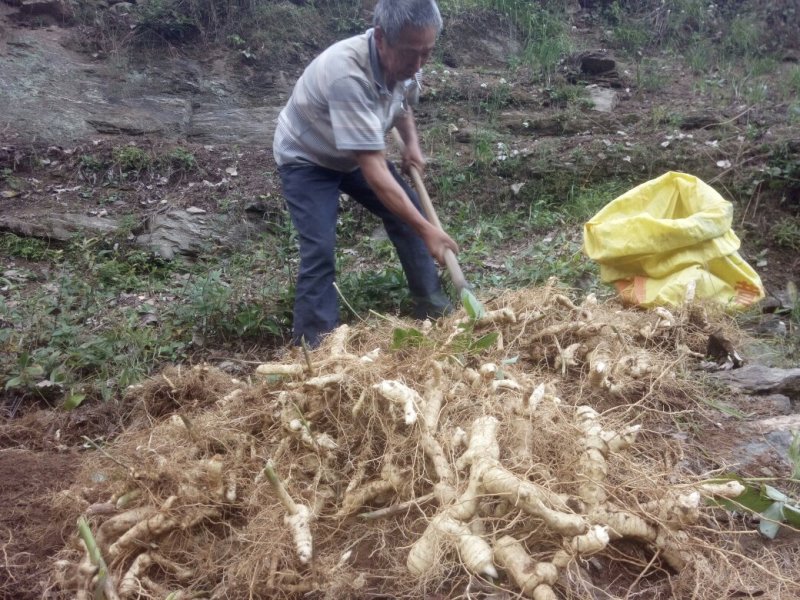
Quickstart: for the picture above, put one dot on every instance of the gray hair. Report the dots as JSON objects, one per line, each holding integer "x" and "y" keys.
{"x": 392, "y": 15}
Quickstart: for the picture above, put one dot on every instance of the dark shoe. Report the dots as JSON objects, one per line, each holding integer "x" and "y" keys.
{"x": 432, "y": 307}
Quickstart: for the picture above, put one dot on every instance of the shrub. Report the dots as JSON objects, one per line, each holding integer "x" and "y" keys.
{"x": 131, "y": 159}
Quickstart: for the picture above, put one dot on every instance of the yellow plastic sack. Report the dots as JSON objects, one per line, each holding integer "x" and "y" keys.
{"x": 666, "y": 236}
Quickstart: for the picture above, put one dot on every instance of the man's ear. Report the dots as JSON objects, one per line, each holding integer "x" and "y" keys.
{"x": 380, "y": 36}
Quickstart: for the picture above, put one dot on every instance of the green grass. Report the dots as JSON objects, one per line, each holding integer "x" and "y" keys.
{"x": 27, "y": 248}
{"x": 792, "y": 83}
{"x": 109, "y": 314}
{"x": 786, "y": 233}
{"x": 540, "y": 26}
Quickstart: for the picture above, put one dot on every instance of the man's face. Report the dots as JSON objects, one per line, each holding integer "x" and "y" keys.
{"x": 406, "y": 56}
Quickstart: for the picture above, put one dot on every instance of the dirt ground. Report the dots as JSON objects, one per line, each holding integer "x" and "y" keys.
{"x": 30, "y": 526}
{"x": 39, "y": 450}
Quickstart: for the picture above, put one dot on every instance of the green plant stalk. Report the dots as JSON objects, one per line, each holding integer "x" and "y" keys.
{"x": 794, "y": 454}
{"x": 96, "y": 557}
{"x": 280, "y": 489}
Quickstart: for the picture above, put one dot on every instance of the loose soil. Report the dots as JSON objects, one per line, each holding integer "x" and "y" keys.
{"x": 32, "y": 529}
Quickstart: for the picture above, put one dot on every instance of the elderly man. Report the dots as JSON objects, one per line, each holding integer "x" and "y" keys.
{"x": 331, "y": 138}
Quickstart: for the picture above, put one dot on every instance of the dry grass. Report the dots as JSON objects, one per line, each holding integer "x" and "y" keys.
{"x": 198, "y": 452}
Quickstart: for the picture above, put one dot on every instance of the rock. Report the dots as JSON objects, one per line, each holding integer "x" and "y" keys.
{"x": 84, "y": 98}
{"x": 783, "y": 423}
{"x": 466, "y": 135}
{"x": 167, "y": 235}
{"x": 700, "y": 120}
{"x": 597, "y": 63}
{"x": 721, "y": 350}
{"x": 603, "y": 99}
{"x": 758, "y": 379}
{"x": 60, "y": 227}
{"x": 770, "y": 304}
{"x": 179, "y": 232}
{"x": 773, "y": 404}
{"x": 468, "y": 42}
{"x": 213, "y": 124}
{"x": 762, "y": 446}
{"x": 774, "y": 327}
{"x": 145, "y": 115}
{"x": 791, "y": 56}
{"x": 57, "y": 9}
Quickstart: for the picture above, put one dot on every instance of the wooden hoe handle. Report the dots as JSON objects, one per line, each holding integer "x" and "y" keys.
{"x": 456, "y": 275}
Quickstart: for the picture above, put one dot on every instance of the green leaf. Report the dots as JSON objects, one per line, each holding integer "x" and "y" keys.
{"x": 792, "y": 515}
{"x": 773, "y": 494}
{"x": 407, "y": 338}
{"x": 13, "y": 382}
{"x": 485, "y": 342}
{"x": 74, "y": 401}
{"x": 471, "y": 304}
{"x": 771, "y": 520}
{"x": 58, "y": 375}
{"x": 794, "y": 454}
{"x": 34, "y": 371}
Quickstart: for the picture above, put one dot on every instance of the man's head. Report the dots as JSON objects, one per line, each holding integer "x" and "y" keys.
{"x": 405, "y": 33}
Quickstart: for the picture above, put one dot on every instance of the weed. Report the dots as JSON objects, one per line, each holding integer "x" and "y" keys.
{"x": 181, "y": 159}
{"x": 347, "y": 18}
{"x": 564, "y": 94}
{"x": 786, "y": 233}
{"x": 650, "y": 76}
{"x": 13, "y": 182}
{"x": 27, "y": 248}
{"x": 660, "y": 115}
{"x": 281, "y": 30}
{"x": 207, "y": 302}
{"x": 226, "y": 204}
{"x": 483, "y": 151}
{"x": 699, "y": 54}
{"x": 793, "y": 111}
{"x": 546, "y": 40}
{"x": 743, "y": 37}
{"x": 631, "y": 37}
{"x": 540, "y": 26}
{"x": 783, "y": 167}
{"x": 792, "y": 82}
{"x": 582, "y": 203}
{"x": 7, "y": 176}
{"x": 131, "y": 159}
{"x": 384, "y": 290}
{"x": 762, "y": 65}
{"x": 26, "y": 374}
{"x": 168, "y": 20}
{"x": 498, "y": 98}
{"x": 236, "y": 41}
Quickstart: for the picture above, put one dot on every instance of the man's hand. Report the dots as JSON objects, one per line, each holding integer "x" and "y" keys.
{"x": 411, "y": 151}
{"x": 412, "y": 157}
{"x": 438, "y": 242}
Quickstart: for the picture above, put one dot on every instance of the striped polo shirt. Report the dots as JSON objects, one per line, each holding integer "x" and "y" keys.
{"x": 340, "y": 104}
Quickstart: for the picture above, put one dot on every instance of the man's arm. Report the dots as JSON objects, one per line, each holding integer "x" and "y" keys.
{"x": 412, "y": 153}
{"x": 376, "y": 172}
